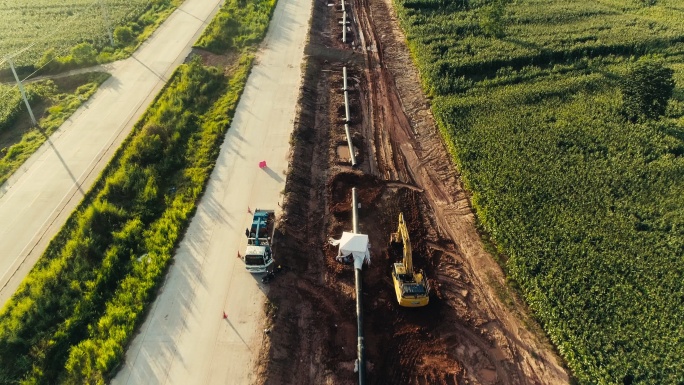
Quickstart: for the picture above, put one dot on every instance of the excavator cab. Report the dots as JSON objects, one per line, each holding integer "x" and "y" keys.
{"x": 411, "y": 287}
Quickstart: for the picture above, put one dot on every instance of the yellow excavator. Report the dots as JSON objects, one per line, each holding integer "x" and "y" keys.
{"x": 411, "y": 287}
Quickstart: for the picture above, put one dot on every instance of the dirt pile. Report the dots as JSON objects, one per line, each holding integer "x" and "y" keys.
{"x": 466, "y": 335}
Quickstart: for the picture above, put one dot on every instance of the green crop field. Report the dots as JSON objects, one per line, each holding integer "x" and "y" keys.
{"x": 46, "y": 24}
{"x": 585, "y": 206}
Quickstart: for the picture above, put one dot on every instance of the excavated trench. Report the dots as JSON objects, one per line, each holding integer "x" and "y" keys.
{"x": 466, "y": 335}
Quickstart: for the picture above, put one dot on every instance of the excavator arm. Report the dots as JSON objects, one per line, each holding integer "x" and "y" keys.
{"x": 402, "y": 236}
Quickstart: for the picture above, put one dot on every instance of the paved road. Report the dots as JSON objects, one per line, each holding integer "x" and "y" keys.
{"x": 36, "y": 201}
{"x": 185, "y": 339}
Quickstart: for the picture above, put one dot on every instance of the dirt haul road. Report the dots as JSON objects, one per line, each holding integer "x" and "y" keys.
{"x": 467, "y": 335}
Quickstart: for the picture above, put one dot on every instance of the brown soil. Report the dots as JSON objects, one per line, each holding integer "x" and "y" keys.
{"x": 474, "y": 331}
{"x": 227, "y": 61}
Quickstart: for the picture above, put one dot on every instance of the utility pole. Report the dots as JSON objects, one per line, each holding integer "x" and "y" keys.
{"x": 108, "y": 23}
{"x": 23, "y": 93}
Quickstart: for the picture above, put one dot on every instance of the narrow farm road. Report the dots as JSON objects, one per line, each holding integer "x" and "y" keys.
{"x": 185, "y": 338}
{"x": 36, "y": 201}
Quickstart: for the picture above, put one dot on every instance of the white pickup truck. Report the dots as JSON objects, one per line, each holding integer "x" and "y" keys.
{"x": 258, "y": 255}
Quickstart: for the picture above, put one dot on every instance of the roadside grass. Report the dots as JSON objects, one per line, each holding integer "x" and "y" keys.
{"x": 237, "y": 26}
{"x": 587, "y": 207}
{"x": 74, "y": 314}
{"x": 53, "y": 102}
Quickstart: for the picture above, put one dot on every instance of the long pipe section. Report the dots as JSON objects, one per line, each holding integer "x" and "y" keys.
{"x": 361, "y": 350}
{"x": 344, "y": 78}
{"x": 346, "y": 107}
{"x": 344, "y": 26}
{"x": 355, "y": 218}
{"x": 352, "y": 157}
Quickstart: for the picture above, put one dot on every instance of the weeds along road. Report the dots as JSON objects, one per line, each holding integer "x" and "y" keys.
{"x": 37, "y": 200}
{"x": 185, "y": 338}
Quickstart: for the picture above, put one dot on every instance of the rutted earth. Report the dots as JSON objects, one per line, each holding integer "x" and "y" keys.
{"x": 470, "y": 333}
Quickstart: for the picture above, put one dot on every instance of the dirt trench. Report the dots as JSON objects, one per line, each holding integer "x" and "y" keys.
{"x": 466, "y": 335}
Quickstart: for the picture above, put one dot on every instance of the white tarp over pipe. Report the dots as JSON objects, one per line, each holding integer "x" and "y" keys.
{"x": 353, "y": 246}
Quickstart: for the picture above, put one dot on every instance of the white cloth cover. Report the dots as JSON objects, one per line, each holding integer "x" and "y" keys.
{"x": 355, "y": 245}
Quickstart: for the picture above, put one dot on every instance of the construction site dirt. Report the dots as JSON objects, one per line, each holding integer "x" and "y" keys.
{"x": 475, "y": 330}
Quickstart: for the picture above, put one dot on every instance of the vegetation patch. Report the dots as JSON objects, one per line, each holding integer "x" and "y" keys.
{"x": 73, "y": 316}
{"x": 575, "y": 163}
{"x": 238, "y": 25}
{"x": 52, "y": 102}
{"x": 74, "y": 32}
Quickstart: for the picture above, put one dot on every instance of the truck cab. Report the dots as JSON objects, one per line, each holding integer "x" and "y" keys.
{"x": 258, "y": 258}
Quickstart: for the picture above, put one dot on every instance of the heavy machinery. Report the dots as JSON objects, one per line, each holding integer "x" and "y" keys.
{"x": 411, "y": 287}
{"x": 259, "y": 256}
